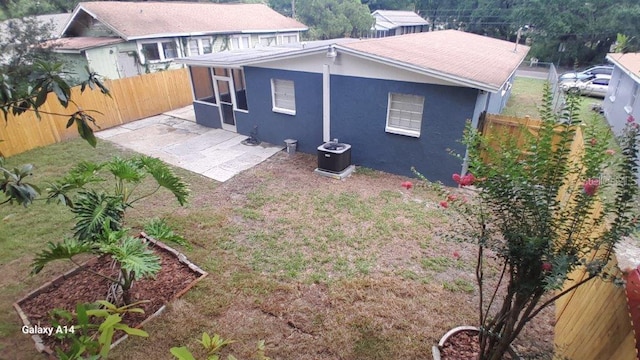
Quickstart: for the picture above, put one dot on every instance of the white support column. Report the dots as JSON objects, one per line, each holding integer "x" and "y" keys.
{"x": 326, "y": 103}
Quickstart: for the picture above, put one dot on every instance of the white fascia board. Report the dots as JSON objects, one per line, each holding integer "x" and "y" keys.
{"x": 262, "y": 31}
{"x": 240, "y": 63}
{"x": 71, "y": 18}
{"x": 116, "y": 31}
{"x": 629, "y": 73}
{"x": 68, "y": 51}
{"x": 208, "y": 33}
{"x": 410, "y": 67}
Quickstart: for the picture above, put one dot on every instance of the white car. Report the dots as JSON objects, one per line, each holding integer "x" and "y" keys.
{"x": 586, "y": 74}
{"x": 596, "y": 86}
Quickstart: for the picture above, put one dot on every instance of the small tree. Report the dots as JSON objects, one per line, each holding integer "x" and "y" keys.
{"x": 28, "y": 73}
{"x": 544, "y": 213}
{"x": 100, "y": 217}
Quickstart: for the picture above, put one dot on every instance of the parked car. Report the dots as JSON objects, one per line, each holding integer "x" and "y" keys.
{"x": 587, "y": 73}
{"x": 596, "y": 85}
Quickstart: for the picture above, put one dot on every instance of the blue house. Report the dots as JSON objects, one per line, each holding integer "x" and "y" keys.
{"x": 401, "y": 101}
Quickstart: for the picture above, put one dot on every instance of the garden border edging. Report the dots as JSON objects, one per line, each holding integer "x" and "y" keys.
{"x": 37, "y": 339}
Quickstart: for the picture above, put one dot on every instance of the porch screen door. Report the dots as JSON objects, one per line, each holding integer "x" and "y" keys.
{"x": 225, "y": 100}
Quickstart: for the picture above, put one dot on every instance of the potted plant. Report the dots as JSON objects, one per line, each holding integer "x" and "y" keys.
{"x": 542, "y": 210}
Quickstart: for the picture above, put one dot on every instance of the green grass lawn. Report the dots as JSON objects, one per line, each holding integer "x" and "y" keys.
{"x": 526, "y": 97}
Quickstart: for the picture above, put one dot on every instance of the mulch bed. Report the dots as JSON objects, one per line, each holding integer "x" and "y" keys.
{"x": 463, "y": 345}
{"x": 174, "y": 279}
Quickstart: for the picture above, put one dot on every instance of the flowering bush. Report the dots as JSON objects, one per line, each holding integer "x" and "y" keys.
{"x": 544, "y": 210}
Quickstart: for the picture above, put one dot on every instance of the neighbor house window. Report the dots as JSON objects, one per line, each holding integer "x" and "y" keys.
{"x": 283, "y": 96}
{"x": 199, "y": 46}
{"x": 404, "y": 114}
{"x": 633, "y": 99}
{"x": 202, "y": 84}
{"x": 267, "y": 40}
{"x": 160, "y": 51}
{"x": 288, "y": 39}
{"x": 241, "y": 42}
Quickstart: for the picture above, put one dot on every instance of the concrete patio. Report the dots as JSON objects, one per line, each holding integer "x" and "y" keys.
{"x": 175, "y": 138}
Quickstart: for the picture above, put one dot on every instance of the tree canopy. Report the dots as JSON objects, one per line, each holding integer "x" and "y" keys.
{"x": 328, "y": 19}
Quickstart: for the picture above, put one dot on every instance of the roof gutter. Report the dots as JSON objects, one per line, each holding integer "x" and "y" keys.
{"x": 207, "y": 33}
{"x": 294, "y": 53}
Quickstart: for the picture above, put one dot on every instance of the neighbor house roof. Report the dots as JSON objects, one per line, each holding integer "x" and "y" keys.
{"x": 461, "y": 58}
{"x": 57, "y": 21}
{"x": 79, "y": 44}
{"x": 480, "y": 61}
{"x": 628, "y": 63}
{"x": 136, "y": 20}
{"x": 391, "y": 19}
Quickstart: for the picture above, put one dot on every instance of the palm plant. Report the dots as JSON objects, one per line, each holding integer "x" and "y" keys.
{"x": 99, "y": 227}
{"x": 132, "y": 256}
{"x": 93, "y": 208}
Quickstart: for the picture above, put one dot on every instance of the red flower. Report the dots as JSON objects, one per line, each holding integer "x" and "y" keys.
{"x": 591, "y": 186}
{"x": 631, "y": 119}
{"x": 547, "y": 266}
{"x": 610, "y": 152}
{"x": 456, "y": 255}
{"x": 451, "y": 197}
{"x": 444, "y": 204}
{"x": 593, "y": 141}
{"x": 407, "y": 184}
{"x": 465, "y": 180}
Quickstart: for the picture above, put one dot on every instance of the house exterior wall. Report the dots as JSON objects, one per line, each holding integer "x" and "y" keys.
{"x": 616, "y": 104}
{"x": 208, "y": 115}
{"x": 74, "y": 64}
{"x": 446, "y": 109}
{"x": 273, "y": 127}
{"x": 104, "y": 61}
{"x": 498, "y": 100}
{"x": 363, "y": 126}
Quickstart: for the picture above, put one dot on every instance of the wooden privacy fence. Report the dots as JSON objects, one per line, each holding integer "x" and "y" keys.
{"x": 131, "y": 99}
{"x": 592, "y": 322}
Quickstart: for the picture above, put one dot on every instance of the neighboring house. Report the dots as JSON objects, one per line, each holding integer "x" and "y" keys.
{"x": 122, "y": 39}
{"x": 395, "y": 22}
{"x": 623, "y": 94}
{"x": 400, "y": 101}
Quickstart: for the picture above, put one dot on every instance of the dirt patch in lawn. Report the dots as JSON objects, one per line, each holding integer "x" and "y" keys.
{"x": 319, "y": 268}
{"x": 334, "y": 269}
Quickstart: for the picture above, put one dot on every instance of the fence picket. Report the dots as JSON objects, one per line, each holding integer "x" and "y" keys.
{"x": 131, "y": 99}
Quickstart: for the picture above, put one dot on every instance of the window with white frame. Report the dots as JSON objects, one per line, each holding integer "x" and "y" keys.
{"x": 240, "y": 42}
{"x": 160, "y": 50}
{"x": 613, "y": 96}
{"x": 288, "y": 39}
{"x": 283, "y": 96}
{"x": 199, "y": 46}
{"x": 268, "y": 40}
{"x": 404, "y": 114}
{"x": 633, "y": 99}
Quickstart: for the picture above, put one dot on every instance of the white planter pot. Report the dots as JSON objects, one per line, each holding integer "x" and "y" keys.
{"x": 436, "y": 349}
